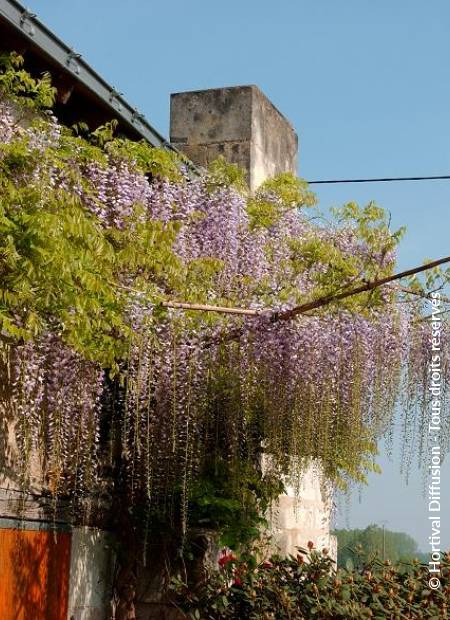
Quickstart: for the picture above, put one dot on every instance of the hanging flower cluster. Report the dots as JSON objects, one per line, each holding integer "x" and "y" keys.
{"x": 54, "y": 395}
{"x": 90, "y": 248}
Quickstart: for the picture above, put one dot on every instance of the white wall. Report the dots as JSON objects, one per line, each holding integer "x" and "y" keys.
{"x": 302, "y": 515}
{"x": 91, "y": 573}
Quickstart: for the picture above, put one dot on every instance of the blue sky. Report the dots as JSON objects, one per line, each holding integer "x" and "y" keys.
{"x": 366, "y": 84}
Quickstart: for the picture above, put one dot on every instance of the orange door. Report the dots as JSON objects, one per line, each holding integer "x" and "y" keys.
{"x": 34, "y": 574}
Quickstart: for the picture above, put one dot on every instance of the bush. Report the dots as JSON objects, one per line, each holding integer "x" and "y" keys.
{"x": 308, "y": 586}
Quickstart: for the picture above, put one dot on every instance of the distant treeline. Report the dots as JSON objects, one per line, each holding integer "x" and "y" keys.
{"x": 394, "y": 546}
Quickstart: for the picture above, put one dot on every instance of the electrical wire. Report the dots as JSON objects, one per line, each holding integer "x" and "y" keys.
{"x": 382, "y": 180}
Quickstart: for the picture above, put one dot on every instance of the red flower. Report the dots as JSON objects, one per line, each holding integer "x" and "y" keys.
{"x": 267, "y": 564}
{"x": 225, "y": 558}
{"x": 237, "y": 582}
{"x": 310, "y": 545}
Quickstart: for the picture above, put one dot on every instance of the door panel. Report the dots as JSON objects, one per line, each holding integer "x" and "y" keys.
{"x": 34, "y": 574}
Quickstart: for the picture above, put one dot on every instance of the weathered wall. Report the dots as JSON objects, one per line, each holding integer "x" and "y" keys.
{"x": 274, "y": 141}
{"x": 91, "y": 574}
{"x": 240, "y": 124}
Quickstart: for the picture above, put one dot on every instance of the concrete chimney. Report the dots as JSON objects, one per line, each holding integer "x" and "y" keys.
{"x": 237, "y": 122}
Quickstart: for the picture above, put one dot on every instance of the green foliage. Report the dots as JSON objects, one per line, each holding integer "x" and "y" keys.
{"x": 232, "y": 499}
{"x": 289, "y": 189}
{"x": 371, "y": 225}
{"x": 60, "y": 268}
{"x": 295, "y": 589}
{"x": 342, "y": 467}
{"x": 290, "y": 193}
{"x": 332, "y": 269}
{"x": 435, "y": 279}
{"x": 323, "y": 257}
{"x": 223, "y": 174}
{"x": 17, "y": 84}
{"x": 154, "y": 162}
{"x": 372, "y": 542}
{"x": 56, "y": 267}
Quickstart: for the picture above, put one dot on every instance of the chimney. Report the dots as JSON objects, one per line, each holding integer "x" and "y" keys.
{"x": 237, "y": 122}
{"x": 241, "y": 124}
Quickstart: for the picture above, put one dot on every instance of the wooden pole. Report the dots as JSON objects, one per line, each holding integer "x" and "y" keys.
{"x": 209, "y": 308}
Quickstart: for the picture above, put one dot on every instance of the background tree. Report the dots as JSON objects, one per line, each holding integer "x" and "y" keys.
{"x": 374, "y": 541}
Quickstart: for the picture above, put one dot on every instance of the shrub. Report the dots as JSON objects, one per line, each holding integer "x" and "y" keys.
{"x": 308, "y": 586}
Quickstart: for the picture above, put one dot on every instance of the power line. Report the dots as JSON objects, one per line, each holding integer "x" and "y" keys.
{"x": 382, "y": 180}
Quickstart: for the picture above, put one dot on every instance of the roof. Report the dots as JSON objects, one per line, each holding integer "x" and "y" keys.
{"x": 83, "y": 95}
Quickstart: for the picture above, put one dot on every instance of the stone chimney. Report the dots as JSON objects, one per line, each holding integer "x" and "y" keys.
{"x": 241, "y": 124}
{"x": 237, "y": 122}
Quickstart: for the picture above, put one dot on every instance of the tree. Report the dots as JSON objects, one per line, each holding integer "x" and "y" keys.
{"x": 375, "y": 541}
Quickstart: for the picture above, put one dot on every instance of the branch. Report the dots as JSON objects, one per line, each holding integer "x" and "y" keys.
{"x": 432, "y": 316}
{"x": 422, "y": 294}
{"x": 368, "y": 286}
{"x": 312, "y": 305}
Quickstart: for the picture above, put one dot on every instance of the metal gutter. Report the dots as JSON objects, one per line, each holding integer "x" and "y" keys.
{"x": 33, "y": 30}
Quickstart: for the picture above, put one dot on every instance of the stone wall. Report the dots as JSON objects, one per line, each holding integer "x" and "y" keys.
{"x": 303, "y": 514}
{"x": 240, "y": 124}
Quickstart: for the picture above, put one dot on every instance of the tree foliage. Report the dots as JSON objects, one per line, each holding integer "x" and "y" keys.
{"x": 373, "y": 541}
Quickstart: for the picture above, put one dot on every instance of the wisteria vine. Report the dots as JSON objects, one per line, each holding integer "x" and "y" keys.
{"x": 188, "y": 386}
